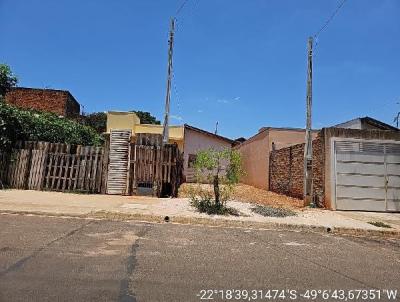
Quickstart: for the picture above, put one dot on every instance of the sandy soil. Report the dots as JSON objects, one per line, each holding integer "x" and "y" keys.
{"x": 246, "y": 193}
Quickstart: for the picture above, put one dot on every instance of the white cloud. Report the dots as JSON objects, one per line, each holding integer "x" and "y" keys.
{"x": 176, "y": 117}
{"x": 228, "y": 101}
{"x": 223, "y": 101}
{"x": 200, "y": 111}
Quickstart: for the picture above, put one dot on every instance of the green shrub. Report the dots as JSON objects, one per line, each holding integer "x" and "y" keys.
{"x": 17, "y": 124}
{"x": 203, "y": 200}
{"x": 222, "y": 169}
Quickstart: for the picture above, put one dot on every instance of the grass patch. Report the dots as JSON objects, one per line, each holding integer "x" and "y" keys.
{"x": 268, "y": 211}
{"x": 380, "y": 224}
{"x": 211, "y": 208}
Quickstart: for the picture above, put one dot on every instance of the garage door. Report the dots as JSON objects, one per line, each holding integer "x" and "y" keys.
{"x": 367, "y": 176}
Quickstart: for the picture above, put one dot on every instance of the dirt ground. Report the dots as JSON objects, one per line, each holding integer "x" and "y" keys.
{"x": 254, "y": 195}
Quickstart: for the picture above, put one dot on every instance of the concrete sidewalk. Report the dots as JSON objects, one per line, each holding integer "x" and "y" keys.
{"x": 180, "y": 211}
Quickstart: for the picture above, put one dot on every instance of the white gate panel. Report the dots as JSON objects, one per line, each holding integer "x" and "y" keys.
{"x": 393, "y": 205}
{"x": 357, "y": 192}
{"x": 361, "y": 180}
{"x": 360, "y": 204}
{"x": 364, "y": 169}
{"x": 393, "y": 169}
{"x": 358, "y": 157}
{"x": 367, "y": 175}
{"x": 393, "y": 159}
{"x": 393, "y": 176}
{"x": 393, "y": 181}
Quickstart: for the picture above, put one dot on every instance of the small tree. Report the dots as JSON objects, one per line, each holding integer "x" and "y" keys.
{"x": 222, "y": 169}
{"x": 96, "y": 120}
{"x": 146, "y": 118}
{"x": 7, "y": 79}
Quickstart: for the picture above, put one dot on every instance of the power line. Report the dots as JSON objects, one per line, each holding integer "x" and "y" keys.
{"x": 189, "y": 12}
{"x": 181, "y": 7}
{"x": 329, "y": 19}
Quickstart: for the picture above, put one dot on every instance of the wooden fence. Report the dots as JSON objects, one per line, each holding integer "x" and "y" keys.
{"x": 119, "y": 167}
{"x": 39, "y": 169}
{"x": 158, "y": 168}
{"x": 144, "y": 167}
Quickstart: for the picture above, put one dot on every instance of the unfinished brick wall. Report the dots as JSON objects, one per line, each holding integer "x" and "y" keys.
{"x": 59, "y": 102}
{"x": 319, "y": 171}
{"x": 287, "y": 171}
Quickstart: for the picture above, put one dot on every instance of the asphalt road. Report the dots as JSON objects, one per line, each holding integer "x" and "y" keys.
{"x": 62, "y": 259}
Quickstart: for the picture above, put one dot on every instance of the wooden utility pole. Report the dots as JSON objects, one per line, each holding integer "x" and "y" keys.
{"x": 308, "y": 186}
{"x": 169, "y": 79}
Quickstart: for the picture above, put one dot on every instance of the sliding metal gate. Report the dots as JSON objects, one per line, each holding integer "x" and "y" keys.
{"x": 367, "y": 175}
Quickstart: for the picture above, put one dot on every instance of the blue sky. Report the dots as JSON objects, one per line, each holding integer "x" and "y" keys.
{"x": 239, "y": 62}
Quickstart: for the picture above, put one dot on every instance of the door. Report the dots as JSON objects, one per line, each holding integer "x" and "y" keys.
{"x": 367, "y": 176}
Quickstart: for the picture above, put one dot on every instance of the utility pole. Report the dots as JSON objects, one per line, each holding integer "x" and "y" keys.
{"x": 169, "y": 78}
{"x": 216, "y": 128}
{"x": 308, "y": 186}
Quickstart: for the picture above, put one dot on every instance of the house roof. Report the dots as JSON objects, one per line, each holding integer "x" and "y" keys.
{"x": 266, "y": 129}
{"x": 208, "y": 133}
{"x": 374, "y": 122}
{"x": 285, "y": 129}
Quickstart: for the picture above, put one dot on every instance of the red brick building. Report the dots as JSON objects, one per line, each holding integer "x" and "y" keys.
{"x": 60, "y": 102}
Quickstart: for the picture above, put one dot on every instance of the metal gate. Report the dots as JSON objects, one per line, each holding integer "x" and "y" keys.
{"x": 367, "y": 175}
{"x": 117, "y": 179}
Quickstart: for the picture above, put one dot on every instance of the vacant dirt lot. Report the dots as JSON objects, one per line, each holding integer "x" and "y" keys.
{"x": 252, "y": 195}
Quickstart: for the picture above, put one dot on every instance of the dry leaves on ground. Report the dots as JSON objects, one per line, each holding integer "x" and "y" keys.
{"x": 254, "y": 195}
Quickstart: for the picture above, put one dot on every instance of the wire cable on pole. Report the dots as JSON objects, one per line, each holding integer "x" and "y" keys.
{"x": 181, "y": 7}
{"x": 329, "y": 19}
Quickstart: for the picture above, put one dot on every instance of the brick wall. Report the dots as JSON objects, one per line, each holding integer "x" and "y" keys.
{"x": 287, "y": 171}
{"x": 59, "y": 102}
{"x": 72, "y": 108}
{"x": 319, "y": 171}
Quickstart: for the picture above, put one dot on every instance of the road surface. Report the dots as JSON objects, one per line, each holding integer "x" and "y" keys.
{"x": 65, "y": 259}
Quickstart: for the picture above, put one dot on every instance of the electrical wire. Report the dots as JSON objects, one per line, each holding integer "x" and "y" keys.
{"x": 177, "y": 29}
{"x": 181, "y": 7}
{"x": 329, "y": 19}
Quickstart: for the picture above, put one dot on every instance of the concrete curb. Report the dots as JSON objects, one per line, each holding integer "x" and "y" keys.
{"x": 120, "y": 216}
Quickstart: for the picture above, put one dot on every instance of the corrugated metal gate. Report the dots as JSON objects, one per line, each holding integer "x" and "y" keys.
{"x": 367, "y": 175}
{"x": 118, "y": 162}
